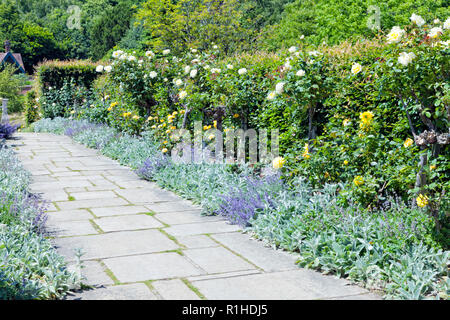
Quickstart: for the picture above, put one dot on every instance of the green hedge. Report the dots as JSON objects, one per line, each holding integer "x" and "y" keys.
{"x": 63, "y": 83}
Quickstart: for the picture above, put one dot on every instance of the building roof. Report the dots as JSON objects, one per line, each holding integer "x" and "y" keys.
{"x": 14, "y": 58}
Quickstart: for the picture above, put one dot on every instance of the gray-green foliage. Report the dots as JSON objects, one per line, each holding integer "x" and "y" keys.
{"x": 389, "y": 249}
{"x": 30, "y": 268}
{"x": 392, "y": 249}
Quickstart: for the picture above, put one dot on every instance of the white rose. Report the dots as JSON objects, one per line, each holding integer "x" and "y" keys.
{"x": 99, "y": 68}
{"x": 406, "y": 58}
{"x": 242, "y": 71}
{"x": 230, "y": 66}
{"x": 150, "y": 54}
{"x": 302, "y": 37}
{"x": 215, "y": 70}
{"x": 292, "y": 49}
{"x": 279, "y": 87}
{"x": 417, "y": 19}
{"x": 287, "y": 65}
{"x": 194, "y": 50}
{"x": 271, "y": 95}
{"x": 215, "y": 47}
{"x": 435, "y": 32}
{"x": 356, "y": 68}
{"x": 166, "y": 52}
{"x": 153, "y": 74}
{"x": 187, "y": 69}
{"x": 195, "y": 61}
{"x": 300, "y": 73}
{"x": 193, "y": 73}
{"x": 182, "y": 95}
{"x": 395, "y": 35}
{"x": 314, "y": 53}
{"x": 108, "y": 69}
{"x": 436, "y": 21}
{"x": 178, "y": 82}
{"x": 447, "y": 23}
{"x": 131, "y": 58}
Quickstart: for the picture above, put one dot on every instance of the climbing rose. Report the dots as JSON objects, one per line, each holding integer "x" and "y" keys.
{"x": 356, "y": 68}
{"x": 417, "y": 20}
{"x": 278, "y": 162}
{"x": 300, "y": 73}
{"x": 447, "y": 23}
{"x": 395, "y": 35}
{"x": 435, "y": 32}
{"x": 279, "y": 87}
{"x": 406, "y": 58}
{"x": 408, "y": 143}
{"x": 182, "y": 95}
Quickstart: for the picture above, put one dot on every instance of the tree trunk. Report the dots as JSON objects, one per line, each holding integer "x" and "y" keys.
{"x": 420, "y": 178}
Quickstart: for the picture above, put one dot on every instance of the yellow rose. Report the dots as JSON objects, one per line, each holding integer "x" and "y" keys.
{"x": 305, "y": 153}
{"x": 358, "y": 181}
{"x": 345, "y": 162}
{"x": 366, "y": 117}
{"x": 422, "y": 200}
{"x": 432, "y": 167}
{"x": 278, "y": 162}
{"x": 408, "y": 143}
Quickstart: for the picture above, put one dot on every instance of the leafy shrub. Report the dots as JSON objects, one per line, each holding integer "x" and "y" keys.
{"x": 32, "y": 109}
{"x": 64, "y": 83}
{"x": 10, "y": 85}
{"x": 339, "y": 20}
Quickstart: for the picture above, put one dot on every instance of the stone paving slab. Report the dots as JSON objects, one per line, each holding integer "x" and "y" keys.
{"x": 119, "y": 211}
{"x": 288, "y": 285}
{"x": 174, "y": 290}
{"x": 173, "y": 206}
{"x": 130, "y": 222}
{"x": 116, "y": 244}
{"x": 132, "y": 232}
{"x": 217, "y": 260}
{"x": 197, "y": 241}
{"x": 201, "y": 228}
{"x": 93, "y": 195}
{"x": 71, "y": 228}
{"x": 135, "y": 291}
{"x": 92, "y": 203}
{"x": 184, "y": 217}
{"x": 266, "y": 258}
{"x": 69, "y": 215}
{"x": 145, "y": 196}
{"x": 93, "y": 272}
{"x": 152, "y": 267}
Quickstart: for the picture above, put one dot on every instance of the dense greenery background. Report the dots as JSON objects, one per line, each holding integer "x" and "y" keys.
{"x": 39, "y": 28}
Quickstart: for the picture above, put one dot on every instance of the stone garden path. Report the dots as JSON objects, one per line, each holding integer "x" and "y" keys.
{"x": 142, "y": 242}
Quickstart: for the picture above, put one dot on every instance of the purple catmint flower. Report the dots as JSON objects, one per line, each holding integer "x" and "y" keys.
{"x": 241, "y": 204}
{"x": 152, "y": 165}
{"x": 7, "y": 130}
